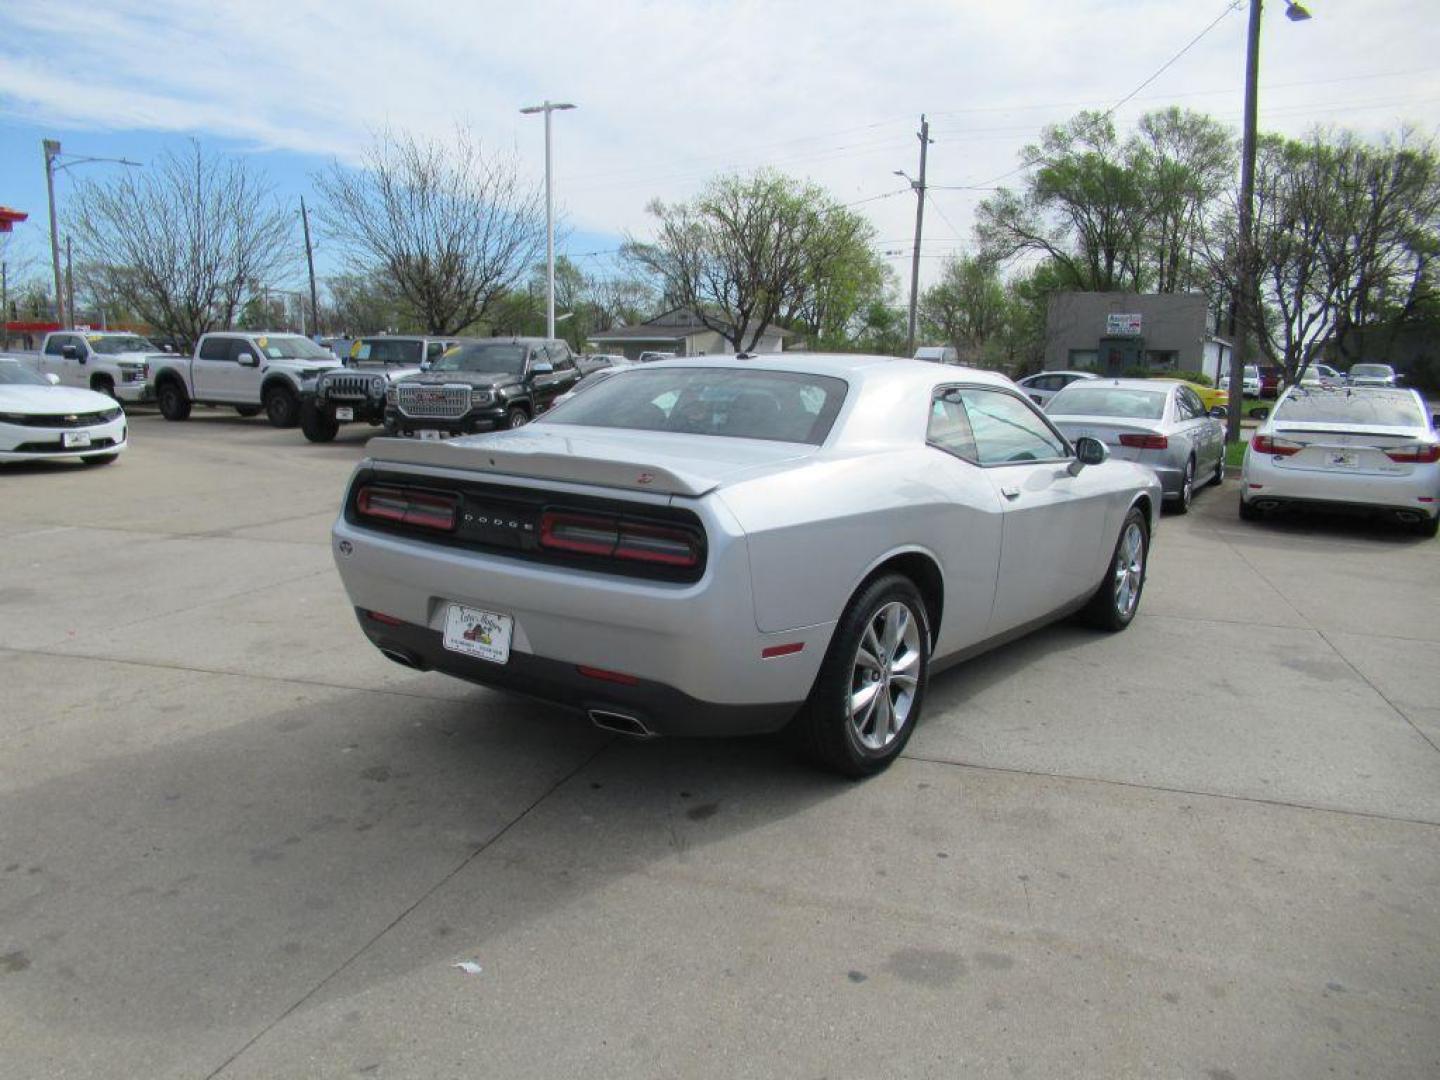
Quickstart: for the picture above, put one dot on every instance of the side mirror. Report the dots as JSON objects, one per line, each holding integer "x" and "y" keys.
{"x": 426, "y": 364}
{"x": 1088, "y": 451}
{"x": 1219, "y": 412}
{"x": 69, "y": 352}
{"x": 247, "y": 360}
{"x": 52, "y": 378}
{"x": 1435, "y": 421}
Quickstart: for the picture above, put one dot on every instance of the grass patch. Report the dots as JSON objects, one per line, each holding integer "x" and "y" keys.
{"x": 1235, "y": 454}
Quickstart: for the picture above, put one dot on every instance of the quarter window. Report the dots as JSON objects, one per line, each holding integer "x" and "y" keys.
{"x": 1006, "y": 429}
{"x": 950, "y": 427}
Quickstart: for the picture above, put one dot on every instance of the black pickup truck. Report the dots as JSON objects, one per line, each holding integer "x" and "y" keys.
{"x": 481, "y": 386}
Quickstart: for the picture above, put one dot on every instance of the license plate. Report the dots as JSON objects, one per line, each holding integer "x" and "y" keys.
{"x": 1341, "y": 461}
{"x": 429, "y": 435}
{"x": 344, "y": 414}
{"x": 484, "y": 635}
{"x": 75, "y": 438}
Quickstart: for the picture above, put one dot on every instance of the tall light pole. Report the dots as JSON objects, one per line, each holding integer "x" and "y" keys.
{"x": 547, "y": 108}
{"x": 918, "y": 186}
{"x": 1245, "y": 299}
{"x": 52, "y": 151}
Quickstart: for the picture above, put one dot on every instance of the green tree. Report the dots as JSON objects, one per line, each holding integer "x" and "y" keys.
{"x": 967, "y": 308}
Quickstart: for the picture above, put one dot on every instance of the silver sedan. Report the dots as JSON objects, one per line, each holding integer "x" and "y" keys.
{"x": 1161, "y": 423}
{"x": 732, "y": 545}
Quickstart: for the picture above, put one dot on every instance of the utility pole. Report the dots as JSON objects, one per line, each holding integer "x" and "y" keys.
{"x": 919, "y": 188}
{"x": 310, "y": 262}
{"x": 5, "y": 305}
{"x": 547, "y": 108}
{"x": 52, "y": 151}
{"x": 69, "y": 286}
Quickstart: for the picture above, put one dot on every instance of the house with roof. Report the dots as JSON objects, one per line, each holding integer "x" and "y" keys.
{"x": 681, "y": 332}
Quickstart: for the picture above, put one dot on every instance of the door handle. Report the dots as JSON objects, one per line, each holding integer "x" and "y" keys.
{"x": 1011, "y": 493}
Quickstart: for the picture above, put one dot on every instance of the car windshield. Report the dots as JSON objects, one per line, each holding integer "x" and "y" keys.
{"x": 1386, "y": 408}
{"x": 1371, "y": 371}
{"x": 497, "y": 357}
{"x": 293, "y": 347}
{"x": 387, "y": 351}
{"x": 1077, "y": 400}
{"x": 111, "y": 345}
{"x": 13, "y": 374}
{"x": 780, "y": 406}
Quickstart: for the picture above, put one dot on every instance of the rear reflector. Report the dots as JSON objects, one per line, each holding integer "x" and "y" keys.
{"x": 1268, "y": 444}
{"x": 618, "y": 538}
{"x": 781, "y": 650}
{"x": 608, "y": 676}
{"x": 1145, "y": 442}
{"x": 407, "y": 506}
{"x": 1417, "y": 454}
{"x": 388, "y": 620}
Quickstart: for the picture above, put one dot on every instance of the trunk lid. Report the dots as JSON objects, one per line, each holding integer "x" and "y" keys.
{"x": 655, "y": 462}
{"x": 1357, "y": 449}
{"x": 1108, "y": 430}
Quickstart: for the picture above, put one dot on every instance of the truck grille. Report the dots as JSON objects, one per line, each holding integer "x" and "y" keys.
{"x": 433, "y": 402}
{"x": 351, "y": 387}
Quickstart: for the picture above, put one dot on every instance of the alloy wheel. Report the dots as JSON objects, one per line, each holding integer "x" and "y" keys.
{"x": 1129, "y": 569}
{"x": 884, "y": 676}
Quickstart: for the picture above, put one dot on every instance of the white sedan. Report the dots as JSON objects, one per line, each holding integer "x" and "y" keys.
{"x": 1040, "y": 388}
{"x": 727, "y": 545}
{"x": 1371, "y": 448}
{"x": 40, "y": 420}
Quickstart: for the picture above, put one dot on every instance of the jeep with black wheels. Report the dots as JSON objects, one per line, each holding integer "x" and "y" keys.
{"x": 247, "y": 371}
{"x": 356, "y": 392}
{"x": 481, "y": 386}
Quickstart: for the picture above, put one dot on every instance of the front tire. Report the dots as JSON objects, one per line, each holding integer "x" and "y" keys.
{"x": 870, "y": 690}
{"x": 1116, "y": 601}
{"x": 318, "y": 425}
{"x": 516, "y": 417}
{"x": 282, "y": 407}
{"x": 103, "y": 384}
{"x": 173, "y": 401}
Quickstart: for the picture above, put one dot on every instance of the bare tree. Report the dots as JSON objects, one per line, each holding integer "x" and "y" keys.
{"x": 967, "y": 307}
{"x": 452, "y": 227}
{"x": 180, "y": 242}
{"x": 744, "y": 254}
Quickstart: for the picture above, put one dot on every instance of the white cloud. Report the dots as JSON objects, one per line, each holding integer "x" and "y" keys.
{"x": 671, "y": 92}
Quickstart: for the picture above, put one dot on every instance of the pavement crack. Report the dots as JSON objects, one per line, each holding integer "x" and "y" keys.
{"x": 1379, "y": 693}
{"x": 410, "y": 908}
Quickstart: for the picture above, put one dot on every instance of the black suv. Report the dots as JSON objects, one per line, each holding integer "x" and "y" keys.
{"x": 357, "y": 391}
{"x": 481, "y": 386}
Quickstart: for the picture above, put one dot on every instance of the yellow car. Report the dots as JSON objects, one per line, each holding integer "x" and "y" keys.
{"x": 1210, "y": 395}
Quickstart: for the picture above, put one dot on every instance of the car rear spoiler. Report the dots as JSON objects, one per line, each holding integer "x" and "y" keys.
{"x": 599, "y": 471}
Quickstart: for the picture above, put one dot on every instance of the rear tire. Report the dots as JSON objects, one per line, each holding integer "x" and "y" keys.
{"x": 1219, "y": 477}
{"x": 318, "y": 426}
{"x": 1187, "y": 488}
{"x": 1248, "y": 512}
{"x": 870, "y": 690}
{"x": 173, "y": 401}
{"x": 282, "y": 407}
{"x": 1117, "y": 598}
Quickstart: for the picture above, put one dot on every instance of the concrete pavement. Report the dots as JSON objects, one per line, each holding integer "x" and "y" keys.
{"x": 236, "y": 842}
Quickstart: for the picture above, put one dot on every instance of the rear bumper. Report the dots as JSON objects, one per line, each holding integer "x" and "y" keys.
{"x": 662, "y": 709}
{"x": 1416, "y": 493}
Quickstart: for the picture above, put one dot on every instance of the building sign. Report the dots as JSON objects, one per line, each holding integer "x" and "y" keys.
{"x": 1120, "y": 325}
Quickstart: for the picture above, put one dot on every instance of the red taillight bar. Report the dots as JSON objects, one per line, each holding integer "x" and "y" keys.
{"x": 1145, "y": 442}
{"x": 1415, "y": 454}
{"x": 616, "y": 538}
{"x": 406, "y": 506}
{"x": 1268, "y": 444}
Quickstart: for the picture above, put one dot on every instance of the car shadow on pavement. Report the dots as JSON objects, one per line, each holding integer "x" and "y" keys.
{"x": 177, "y": 898}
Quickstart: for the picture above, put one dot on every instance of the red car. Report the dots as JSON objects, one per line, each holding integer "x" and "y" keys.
{"x": 1270, "y": 381}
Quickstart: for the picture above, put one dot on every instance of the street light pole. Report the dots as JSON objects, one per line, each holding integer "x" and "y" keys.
{"x": 547, "y": 108}
{"x": 52, "y": 151}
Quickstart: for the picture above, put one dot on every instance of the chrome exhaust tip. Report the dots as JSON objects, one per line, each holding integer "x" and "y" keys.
{"x": 620, "y": 724}
{"x": 403, "y": 658}
{"x": 1407, "y": 517}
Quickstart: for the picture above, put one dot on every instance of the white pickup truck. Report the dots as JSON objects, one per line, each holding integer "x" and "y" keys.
{"x": 248, "y": 370}
{"x": 113, "y": 363}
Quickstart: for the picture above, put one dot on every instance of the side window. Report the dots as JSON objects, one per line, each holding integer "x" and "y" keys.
{"x": 949, "y": 427}
{"x": 215, "y": 348}
{"x": 433, "y": 349}
{"x": 1184, "y": 409}
{"x": 561, "y": 357}
{"x": 1007, "y": 430}
{"x": 242, "y": 345}
{"x": 1193, "y": 400}
{"x": 56, "y": 344}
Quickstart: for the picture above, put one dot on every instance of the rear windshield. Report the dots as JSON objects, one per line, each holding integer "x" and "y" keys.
{"x": 387, "y": 351}
{"x": 779, "y": 406}
{"x": 1371, "y": 370}
{"x": 1386, "y": 408}
{"x": 1108, "y": 401}
{"x": 114, "y": 346}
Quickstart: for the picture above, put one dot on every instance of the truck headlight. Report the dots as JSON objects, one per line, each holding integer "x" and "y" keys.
{"x": 377, "y": 386}
{"x": 483, "y": 397}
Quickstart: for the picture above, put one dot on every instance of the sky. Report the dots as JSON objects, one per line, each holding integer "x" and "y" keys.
{"x": 672, "y": 92}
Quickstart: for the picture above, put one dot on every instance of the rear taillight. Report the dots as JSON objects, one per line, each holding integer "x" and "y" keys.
{"x": 617, "y": 538}
{"x": 1415, "y": 454}
{"x": 1145, "y": 442}
{"x": 406, "y": 506}
{"x": 1267, "y": 444}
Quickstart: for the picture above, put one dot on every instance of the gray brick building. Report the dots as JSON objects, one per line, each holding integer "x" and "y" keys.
{"x": 1113, "y": 331}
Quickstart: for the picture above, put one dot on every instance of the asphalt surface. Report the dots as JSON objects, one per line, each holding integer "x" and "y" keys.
{"x": 235, "y": 841}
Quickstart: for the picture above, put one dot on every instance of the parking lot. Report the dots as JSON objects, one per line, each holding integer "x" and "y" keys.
{"x": 236, "y": 841}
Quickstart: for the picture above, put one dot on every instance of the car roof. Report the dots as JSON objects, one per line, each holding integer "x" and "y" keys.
{"x": 1137, "y": 384}
{"x": 852, "y": 366}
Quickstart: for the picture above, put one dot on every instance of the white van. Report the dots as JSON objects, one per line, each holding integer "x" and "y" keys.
{"x": 937, "y": 354}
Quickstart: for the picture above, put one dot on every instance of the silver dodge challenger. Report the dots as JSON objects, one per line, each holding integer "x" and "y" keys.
{"x": 721, "y": 546}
